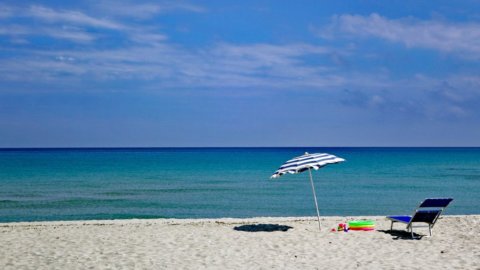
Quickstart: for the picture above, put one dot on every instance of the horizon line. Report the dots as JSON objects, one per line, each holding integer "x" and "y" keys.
{"x": 186, "y": 147}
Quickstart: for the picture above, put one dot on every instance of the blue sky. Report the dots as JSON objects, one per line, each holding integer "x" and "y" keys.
{"x": 239, "y": 73}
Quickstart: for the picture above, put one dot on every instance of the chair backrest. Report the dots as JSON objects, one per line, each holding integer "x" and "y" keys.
{"x": 430, "y": 209}
{"x": 435, "y": 203}
{"x": 428, "y": 216}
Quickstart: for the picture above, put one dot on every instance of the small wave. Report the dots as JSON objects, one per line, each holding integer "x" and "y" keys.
{"x": 7, "y": 201}
{"x": 163, "y": 191}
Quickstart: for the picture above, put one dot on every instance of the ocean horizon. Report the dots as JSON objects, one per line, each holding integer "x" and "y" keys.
{"x": 43, "y": 184}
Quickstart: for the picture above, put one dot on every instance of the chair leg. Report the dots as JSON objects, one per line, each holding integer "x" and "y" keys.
{"x": 430, "y": 229}
{"x": 391, "y": 226}
{"x": 410, "y": 228}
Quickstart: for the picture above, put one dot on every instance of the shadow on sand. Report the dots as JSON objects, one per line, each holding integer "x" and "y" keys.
{"x": 402, "y": 235}
{"x": 262, "y": 228}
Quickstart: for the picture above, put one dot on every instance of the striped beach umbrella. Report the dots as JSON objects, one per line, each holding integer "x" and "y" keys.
{"x": 308, "y": 162}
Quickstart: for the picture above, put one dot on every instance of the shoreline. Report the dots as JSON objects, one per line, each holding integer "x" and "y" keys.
{"x": 237, "y": 243}
{"x": 229, "y": 220}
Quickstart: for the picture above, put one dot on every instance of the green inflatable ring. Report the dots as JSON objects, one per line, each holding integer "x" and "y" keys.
{"x": 361, "y": 223}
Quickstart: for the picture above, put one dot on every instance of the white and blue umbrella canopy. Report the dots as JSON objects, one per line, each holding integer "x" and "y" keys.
{"x": 305, "y": 162}
{"x": 308, "y": 162}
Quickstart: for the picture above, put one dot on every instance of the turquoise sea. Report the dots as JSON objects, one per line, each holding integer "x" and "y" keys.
{"x": 82, "y": 184}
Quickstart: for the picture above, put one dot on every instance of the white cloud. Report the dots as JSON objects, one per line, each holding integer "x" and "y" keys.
{"x": 224, "y": 65}
{"x": 461, "y": 38}
{"x": 68, "y": 33}
{"x": 452, "y": 97}
{"x": 76, "y": 25}
{"x": 73, "y": 26}
{"x": 164, "y": 67}
{"x": 68, "y": 16}
{"x": 136, "y": 9}
{"x": 152, "y": 61}
{"x": 143, "y": 36}
{"x": 272, "y": 65}
{"x": 77, "y": 35}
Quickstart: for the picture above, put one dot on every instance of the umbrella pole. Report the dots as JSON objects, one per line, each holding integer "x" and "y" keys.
{"x": 315, "y": 198}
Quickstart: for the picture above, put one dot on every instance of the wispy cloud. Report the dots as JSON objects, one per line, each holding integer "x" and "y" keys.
{"x": 72, "y": 25}
{"x": 267, "y": 65}
{"x": 461, "y": 38}
{"x": 38, "y": 21}
{"x": 151, "y": 60}
{"x": 5, "y": 11}
{"x": 138, "y": 9}
{"x": 14, "y": 29}
{"x": 146, "y": 36}
{"x": 453, "y": 97}
{"x": 68, "y": 16}
{"x": 68, "y": 33}
{"x": 224, "y": 65}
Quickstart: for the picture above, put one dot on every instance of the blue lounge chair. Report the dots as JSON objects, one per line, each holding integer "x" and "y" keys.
{"x": 427, "y": 212}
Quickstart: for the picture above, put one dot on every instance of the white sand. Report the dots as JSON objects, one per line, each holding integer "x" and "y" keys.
{"x": 215, "y": 244}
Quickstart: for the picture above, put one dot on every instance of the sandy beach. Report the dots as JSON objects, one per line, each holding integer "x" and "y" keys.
{"x": 257, "y": 243}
